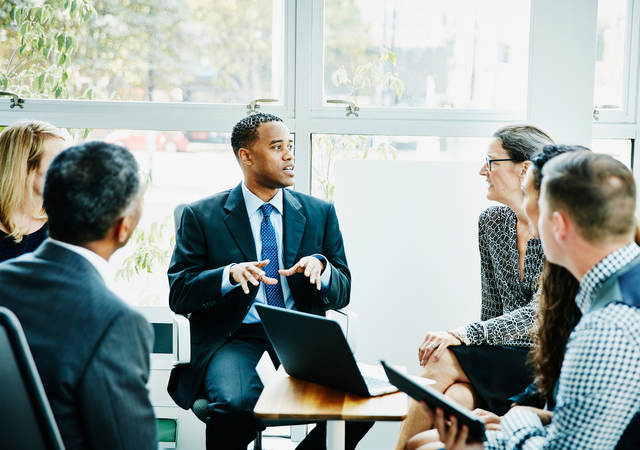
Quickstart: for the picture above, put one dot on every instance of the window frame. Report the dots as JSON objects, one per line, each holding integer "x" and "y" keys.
{"x": 148, "y": 115}
{"x": 322, "y": 110}
{"x": 303, "y": 90}
{"x": 627, "y": 114}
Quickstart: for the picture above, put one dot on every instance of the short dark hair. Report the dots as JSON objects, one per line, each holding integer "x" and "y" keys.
{"x": 245, "y": 132}
{"x": 548, "y": 152}
{"x": 596, "y": 191}
{"x": 87, "y": 189}
{"x": 522, "y": 141}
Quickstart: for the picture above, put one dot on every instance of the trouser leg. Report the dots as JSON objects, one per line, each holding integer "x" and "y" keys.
{"x": 233, "y": 388}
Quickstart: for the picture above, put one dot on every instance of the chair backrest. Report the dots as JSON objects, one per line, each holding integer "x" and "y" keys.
{"x": 177, "y": 214}
{"x": 172, "y": 339}
{"x": 26, "y": 419}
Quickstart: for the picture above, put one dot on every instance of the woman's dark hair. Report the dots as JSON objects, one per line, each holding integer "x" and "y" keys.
{"x": 557, "y": 315}
{"x": 548, "y": 152}
{"x": 522, "y": 141}
{"x": 557, "y": 311}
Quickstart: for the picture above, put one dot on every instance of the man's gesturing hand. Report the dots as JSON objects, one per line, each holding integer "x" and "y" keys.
{"x": 250, "y": 272}
{"x": 312, "y": 268}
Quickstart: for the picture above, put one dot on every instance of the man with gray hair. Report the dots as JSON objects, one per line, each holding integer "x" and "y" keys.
{"x": 587, "y": 225}
{"x": 91, "y": 349}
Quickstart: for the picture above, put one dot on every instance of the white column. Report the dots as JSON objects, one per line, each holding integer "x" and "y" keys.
{"x": 561, "y": 69}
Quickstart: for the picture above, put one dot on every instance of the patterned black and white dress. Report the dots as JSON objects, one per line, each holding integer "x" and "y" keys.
{"x": 494, "y": 357}
{"x": 508, "y": 304}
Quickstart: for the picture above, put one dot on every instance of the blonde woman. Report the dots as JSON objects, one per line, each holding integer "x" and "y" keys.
{"x": 26, "y": 150}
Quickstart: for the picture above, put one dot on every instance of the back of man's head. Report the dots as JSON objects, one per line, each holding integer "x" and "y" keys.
{"x": 88, "y": 187}
{"x": 596, "y": 191}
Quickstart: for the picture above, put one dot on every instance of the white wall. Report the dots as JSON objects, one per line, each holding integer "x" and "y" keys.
{"x": 410, "y": 232}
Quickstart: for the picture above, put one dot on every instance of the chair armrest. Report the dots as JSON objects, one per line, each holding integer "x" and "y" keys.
{"x": 347, "y": 321}
{"x": 182, "y": 332}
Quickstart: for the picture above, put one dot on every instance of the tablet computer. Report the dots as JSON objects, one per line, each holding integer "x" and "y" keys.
{"x": 435, "y": 400}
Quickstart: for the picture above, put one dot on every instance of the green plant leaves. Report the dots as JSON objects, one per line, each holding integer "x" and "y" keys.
{"x": 152, "y": 249}
{"x": 60, "y": 39}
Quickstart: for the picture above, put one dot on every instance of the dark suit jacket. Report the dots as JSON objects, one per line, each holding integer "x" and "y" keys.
{"x": 215, "y": 232}
{"x": 91, "y": 349}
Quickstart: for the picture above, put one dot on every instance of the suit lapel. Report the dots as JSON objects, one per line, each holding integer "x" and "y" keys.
{"x": 293, "y": 223}
{"x": 237, "y": 221}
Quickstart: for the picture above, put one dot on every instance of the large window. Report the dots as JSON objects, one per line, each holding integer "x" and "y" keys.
{"x": 155, "y": 50}
{"x": 611, "y": 48}
{"x": 463, "y": 54}
{"x": 433, "y": 80}
{"x": 328, "y": 149}
{"x": 616, "y": 61}
{"x": 179, "y": 167}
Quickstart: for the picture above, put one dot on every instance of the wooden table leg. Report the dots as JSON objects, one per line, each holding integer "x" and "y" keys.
{"x": 335, "y": 434}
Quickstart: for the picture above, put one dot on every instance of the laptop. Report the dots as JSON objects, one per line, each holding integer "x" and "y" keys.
{"x": 315, "y": 349}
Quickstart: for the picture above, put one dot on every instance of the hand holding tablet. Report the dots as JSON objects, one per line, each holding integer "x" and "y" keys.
{"x": 435, "y": 400}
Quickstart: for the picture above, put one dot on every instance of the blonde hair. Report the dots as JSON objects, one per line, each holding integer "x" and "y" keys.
{"x": 21, "y": 149}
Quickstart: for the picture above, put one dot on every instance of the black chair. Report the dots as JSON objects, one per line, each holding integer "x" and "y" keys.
{"x": 26, "y": 419}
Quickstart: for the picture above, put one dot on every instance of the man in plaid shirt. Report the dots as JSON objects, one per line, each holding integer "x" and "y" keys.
{"x": 587, "y": 225}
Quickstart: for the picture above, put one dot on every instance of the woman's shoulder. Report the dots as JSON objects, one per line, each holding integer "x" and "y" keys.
{"x": 494, "y": 214}
{"x": 9, "y": 248}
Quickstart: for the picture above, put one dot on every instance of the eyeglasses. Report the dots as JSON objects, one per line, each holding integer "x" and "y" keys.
{"x": 488, "y": 161}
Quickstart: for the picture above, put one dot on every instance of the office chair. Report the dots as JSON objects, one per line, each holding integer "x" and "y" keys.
{"x": 26, "y": 419}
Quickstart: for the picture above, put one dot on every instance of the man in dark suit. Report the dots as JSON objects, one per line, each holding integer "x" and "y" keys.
{"x": 256, "y": 243}
{"x": 90, "y": 348}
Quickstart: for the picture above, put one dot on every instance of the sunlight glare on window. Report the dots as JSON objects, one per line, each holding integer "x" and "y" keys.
{"x": 463, "y": 54}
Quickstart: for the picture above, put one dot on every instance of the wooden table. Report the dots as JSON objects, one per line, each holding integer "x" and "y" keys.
{"x": 289, "y": 398}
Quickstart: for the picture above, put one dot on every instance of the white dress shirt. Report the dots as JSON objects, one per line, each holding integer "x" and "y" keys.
{"x": 97, "y": 261}
{"x": 253, "y": 204}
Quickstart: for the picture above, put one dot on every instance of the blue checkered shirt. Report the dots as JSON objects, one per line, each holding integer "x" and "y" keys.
{"x": 599, "y": 385}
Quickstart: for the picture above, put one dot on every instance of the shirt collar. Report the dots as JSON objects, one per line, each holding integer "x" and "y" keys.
{"x": 598, "y": 274}
{"x": 96, "y": 261}
{"x": 254, "y": 203}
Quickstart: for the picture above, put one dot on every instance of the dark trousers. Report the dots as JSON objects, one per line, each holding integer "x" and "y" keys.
{"x": 233, "y": 387}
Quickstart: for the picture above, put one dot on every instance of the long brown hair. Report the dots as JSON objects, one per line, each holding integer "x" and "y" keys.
{"x": 557, "y": 311}
{"x": 557, "y": 315}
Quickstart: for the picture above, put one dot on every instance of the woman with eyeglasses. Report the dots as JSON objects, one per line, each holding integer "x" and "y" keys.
{"x": 484, "y": 363}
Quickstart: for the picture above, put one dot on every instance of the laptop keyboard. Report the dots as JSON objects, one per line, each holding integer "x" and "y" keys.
{"x": 375, "y": 383}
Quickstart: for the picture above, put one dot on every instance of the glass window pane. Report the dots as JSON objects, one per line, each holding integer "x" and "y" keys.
{"x": 427, "y": 53}
{"x": 610, "y": 54}
{"x": 157, "y": 50}
{"x": 329, "y": 148}
{"x": 180, "y": 167}
{"x": 620, "y": 149}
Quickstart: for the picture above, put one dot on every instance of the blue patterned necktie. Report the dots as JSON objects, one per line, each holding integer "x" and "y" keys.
{"x": 270, "y": 252}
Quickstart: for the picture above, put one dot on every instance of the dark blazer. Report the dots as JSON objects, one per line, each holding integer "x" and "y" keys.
{"x": 215, "y": 232}
{"x": 91, "y": 349}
